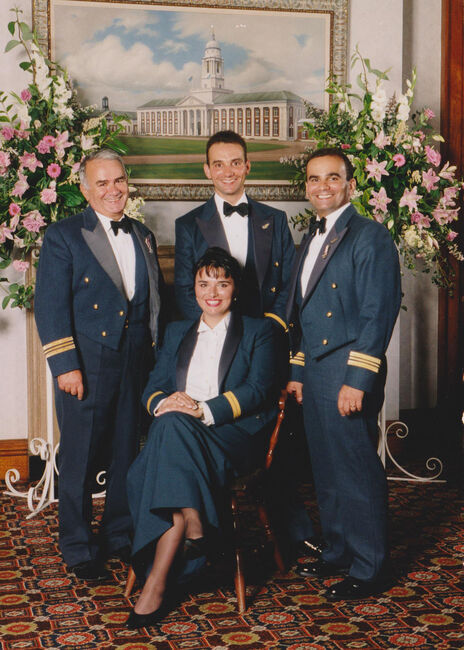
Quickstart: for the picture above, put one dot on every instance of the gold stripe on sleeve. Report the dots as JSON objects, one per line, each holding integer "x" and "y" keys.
{"x": 278, "y": 319}
{"x": 361, "y": 360}
{"x": 150, "y": 399}
{"x": 58, "y": 346}
{"x": 297, "y": 359}
{"x": 234, "y": 403}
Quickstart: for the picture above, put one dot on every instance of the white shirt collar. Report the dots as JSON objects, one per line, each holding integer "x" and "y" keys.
{"x": 220, "y": 202}
{"x": 222, "y": 325}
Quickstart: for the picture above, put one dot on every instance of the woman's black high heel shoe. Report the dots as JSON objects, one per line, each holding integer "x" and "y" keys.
{"x": 195, "y": 548}
{"x": 136, "y": 621}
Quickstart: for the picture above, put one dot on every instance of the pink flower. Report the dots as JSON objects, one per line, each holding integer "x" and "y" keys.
{"x": 8, "y": 132}
{"x": 5, "y": 233}
{"x": 75, "y": 168}
{"x": 345, "y": 146}
{"x": 444, "y": 216}
{"x": 22, "y": 132}
{"x": 14, "y": 209}
{"x": 447, "y": 172}
{"x": 48, "y": 195}
{"x": 451, "y": 235}
{"x": 47, "y": 142}
{"x": 410, "y": 198}
{"x": 420, "y": 219}
{"x": 376, "y": 170}
{"x": 420, "y": 135}
{"x": 429, "y": 180}
{"x": 33, "y": 221}
{"x": 21, "y": 186}
{"x": 449, "y": 194}
{"x": 20, "y": 265}
{"x": 14, "y": 222}
{"x": 53, "y": 170}
{"x": 62, "y": 143}
{"x": 432, "y": 155}
{"x": 428, "y": 113}
{"x": 382, "y": 140}
{"x": 25, "y": 95}
{"x": 30, "y": 161}
{"x": 4, "y": 162}
{"x": 379, "y": 200}
{"x": 399, "y": 159}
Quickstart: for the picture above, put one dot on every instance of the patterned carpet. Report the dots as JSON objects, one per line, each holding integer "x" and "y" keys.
{"x": 43, "y": 607}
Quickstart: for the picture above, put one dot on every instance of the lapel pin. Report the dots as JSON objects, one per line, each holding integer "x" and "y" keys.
{"x": 148, "y": 244}
{"x": 326, "y": 251}
{"x": 332, "y": 241}
{"x": 266, "y": 225}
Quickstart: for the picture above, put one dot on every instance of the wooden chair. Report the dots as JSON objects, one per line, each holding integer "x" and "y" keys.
{"x": 252, "y": 484}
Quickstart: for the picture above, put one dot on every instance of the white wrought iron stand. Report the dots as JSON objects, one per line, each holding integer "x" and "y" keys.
{"x": 42, "y": 494}
{"x": 400, "y": 430}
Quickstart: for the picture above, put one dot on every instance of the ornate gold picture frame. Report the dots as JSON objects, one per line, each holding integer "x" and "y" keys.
{"x": 181, "y": 72}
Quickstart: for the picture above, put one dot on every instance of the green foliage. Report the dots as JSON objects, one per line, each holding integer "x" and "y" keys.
{"x": 400, "y": 178}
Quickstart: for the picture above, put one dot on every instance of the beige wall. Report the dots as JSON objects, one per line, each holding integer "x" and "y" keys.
{"x": 394, "y": 34}
{"x": 13, "y": 377}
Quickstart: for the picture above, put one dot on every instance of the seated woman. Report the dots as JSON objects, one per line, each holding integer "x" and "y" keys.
{"x": 212, "y": 393}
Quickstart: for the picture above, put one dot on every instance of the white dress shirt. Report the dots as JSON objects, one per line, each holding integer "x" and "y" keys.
{"x": 202, "y": 377}
{"x": 316, "y": 246}
{"x": 202, "y": 381}
{"x": 124, "y": 252}
{"x": 236, "y": 229}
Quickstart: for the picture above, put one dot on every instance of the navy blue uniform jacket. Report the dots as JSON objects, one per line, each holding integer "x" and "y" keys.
{"x": 247, "y": 379}
{"x": 80, "y": 288}
{"x": 352, "y": 299}
{"x": 273, "y": 254}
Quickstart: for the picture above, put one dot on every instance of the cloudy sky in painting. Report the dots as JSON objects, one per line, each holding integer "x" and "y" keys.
{"x": 133, "y": 54}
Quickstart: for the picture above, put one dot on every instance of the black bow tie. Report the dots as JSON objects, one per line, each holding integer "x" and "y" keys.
{"x": 123, "y": 224}
{"x": 241, "y": 208}
{"x": 317, "y": 225}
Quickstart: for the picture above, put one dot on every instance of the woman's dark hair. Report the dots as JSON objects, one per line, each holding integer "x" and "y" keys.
{"x": 216, "y": 258}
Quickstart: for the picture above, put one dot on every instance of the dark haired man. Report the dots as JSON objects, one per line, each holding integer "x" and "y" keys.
{"x": 345, "y": 296}
{"x": 256, "y": 234}
{"x": 97, "y": 304}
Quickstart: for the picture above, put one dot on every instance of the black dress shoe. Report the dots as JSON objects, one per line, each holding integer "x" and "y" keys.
{"x": 311, "y": 547}
{"x": 194, "y": 548}
{"x": 319, "y": 569}
{"x": 136, "y": 621}
{"x": 90, "y": 570}
{"x": 354, "y": 589}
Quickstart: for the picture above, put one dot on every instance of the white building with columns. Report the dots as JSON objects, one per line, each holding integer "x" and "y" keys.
{"x": 212, "y": 108}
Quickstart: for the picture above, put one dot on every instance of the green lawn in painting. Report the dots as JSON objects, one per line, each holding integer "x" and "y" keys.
{"x": 260, "y": 171}
{"x": 146, "y": 145}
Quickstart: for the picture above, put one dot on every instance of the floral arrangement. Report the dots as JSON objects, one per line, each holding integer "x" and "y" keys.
{"x": 44, "y": 134}
{"x": 401, "y": 180}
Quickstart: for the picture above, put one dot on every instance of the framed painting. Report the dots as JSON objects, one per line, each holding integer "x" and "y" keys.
{"x": 181, "y": 71}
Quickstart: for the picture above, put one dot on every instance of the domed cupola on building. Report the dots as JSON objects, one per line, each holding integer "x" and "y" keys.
{"x": 212, "y": 65}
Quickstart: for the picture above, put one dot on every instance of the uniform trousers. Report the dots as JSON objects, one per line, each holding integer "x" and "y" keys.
{"x": 185, "y": 464}
{"x": 349, "y": 477}
{"x": 108, "y": 419}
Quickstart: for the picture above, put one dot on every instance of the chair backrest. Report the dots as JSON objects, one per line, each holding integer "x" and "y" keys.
{"x": 275, "y": 434}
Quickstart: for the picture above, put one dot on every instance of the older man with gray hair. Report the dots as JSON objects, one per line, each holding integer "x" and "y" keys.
{"x": 97, "y": 309}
